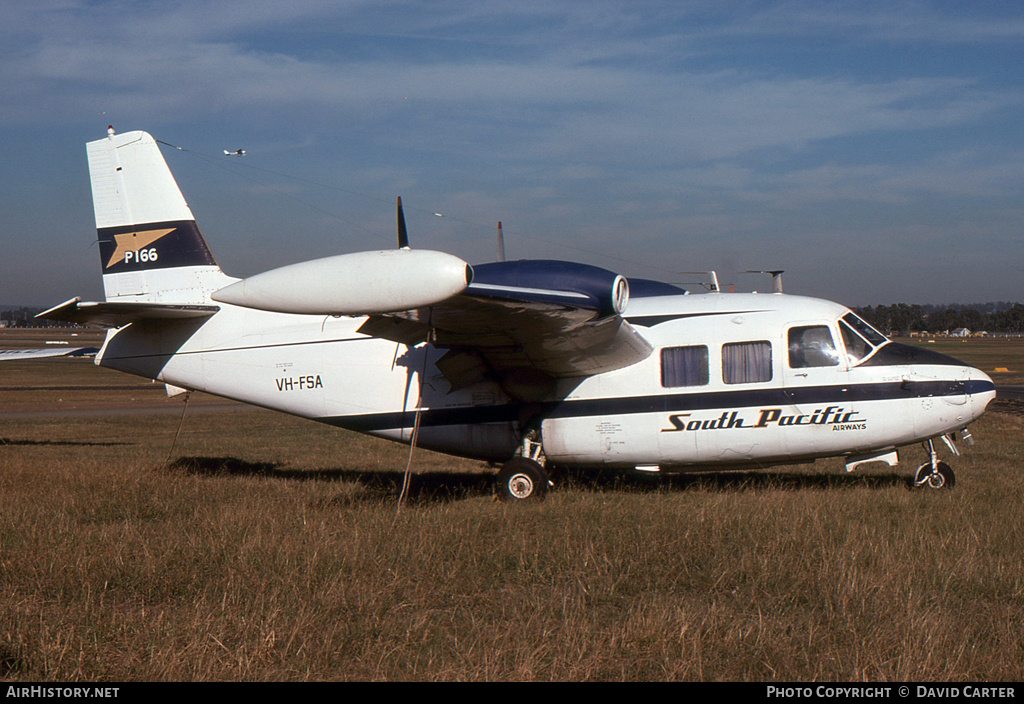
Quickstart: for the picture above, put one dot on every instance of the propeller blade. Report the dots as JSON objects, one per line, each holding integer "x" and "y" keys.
{"x": 403, "y": 235}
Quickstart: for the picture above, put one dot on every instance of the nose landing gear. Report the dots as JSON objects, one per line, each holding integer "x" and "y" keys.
{"x": 935, "y": 474}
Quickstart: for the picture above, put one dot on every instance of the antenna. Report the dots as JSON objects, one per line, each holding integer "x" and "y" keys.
{"x": 776, "y": 278}
{"x": 713, "y": 280}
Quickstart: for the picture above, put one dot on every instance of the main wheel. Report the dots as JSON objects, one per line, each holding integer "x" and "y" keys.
{"x": 522, "y": 479}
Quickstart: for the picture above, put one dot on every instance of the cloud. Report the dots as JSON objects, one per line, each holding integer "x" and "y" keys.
{"x": 742, "y": 121}
{"x": 583, "y": 94}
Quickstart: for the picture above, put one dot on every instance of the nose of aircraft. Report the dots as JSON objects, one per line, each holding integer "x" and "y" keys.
{"x": 981, "y": 391}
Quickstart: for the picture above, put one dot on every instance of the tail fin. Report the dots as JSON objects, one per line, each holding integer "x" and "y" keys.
{"x": 150, "y": 247}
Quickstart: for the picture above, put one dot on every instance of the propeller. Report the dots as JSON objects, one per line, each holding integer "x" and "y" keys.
{"x": 403, "y": 243}
{"x": 403, "y": 234}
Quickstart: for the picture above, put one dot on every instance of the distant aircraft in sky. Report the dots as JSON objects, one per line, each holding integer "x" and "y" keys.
{"x": 531, "y": 364}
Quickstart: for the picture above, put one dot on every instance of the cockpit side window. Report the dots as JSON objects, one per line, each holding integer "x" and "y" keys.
{"x": 812, "y": 346}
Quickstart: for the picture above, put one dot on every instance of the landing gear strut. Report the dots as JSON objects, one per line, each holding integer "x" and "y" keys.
{"x": 523, "y": 478}
{"x": 934, "y": 474}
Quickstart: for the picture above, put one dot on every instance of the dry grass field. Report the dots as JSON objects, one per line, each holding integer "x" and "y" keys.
{"x": 269, "y": 548}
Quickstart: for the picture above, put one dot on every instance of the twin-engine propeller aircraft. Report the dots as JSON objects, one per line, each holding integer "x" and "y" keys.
{"x": 530, "y": 363}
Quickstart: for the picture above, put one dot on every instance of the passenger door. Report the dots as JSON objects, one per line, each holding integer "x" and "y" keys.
{"x": 816, "y": 380}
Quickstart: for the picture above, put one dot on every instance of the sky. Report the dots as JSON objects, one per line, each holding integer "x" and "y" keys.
{"x": 872, "y": 150}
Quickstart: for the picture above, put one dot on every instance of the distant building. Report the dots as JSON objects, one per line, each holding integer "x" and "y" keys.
{"x": 961, "y": 332}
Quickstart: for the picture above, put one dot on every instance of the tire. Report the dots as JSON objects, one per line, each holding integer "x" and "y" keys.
{"x": 521, "y": 479}
{"x": 947, "y": 476}
{"x": 942, "y": 478}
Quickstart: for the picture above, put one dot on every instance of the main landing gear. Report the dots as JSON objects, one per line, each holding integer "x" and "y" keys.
{"x": 523, "y": 478}
{"x": 934, "y": 474}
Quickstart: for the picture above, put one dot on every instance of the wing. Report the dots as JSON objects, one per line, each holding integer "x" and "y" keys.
{"x": 117, "y": 314}
{"x": 525, "y": 324}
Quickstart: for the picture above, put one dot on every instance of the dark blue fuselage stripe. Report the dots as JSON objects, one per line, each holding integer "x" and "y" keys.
{"x": 667, "y": 403}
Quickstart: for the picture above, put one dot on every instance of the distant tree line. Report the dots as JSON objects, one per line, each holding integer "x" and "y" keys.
{"x": 20, "y": 316}
{"x": 24, "y": 317}
{"x": 903, "y": 318}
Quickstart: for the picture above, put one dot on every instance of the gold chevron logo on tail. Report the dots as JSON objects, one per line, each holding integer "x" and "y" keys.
{"x": 134, "y": 241}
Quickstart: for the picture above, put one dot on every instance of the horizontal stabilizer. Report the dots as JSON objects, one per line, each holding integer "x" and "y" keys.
{"x": 116, "y": 314}
{"x": 13, "y": 355}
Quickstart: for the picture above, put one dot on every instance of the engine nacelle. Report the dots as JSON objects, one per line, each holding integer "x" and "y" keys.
{"x": 544, "y": 280}
{"x": 360, "y": 283}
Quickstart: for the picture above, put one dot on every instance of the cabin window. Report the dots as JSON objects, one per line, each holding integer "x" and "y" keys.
{"x": 746, "y": 362}
{"x": 812, "y": 346}
{"x": 684, "y": 366}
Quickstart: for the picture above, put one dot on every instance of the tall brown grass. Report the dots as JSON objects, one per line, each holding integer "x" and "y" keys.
{"x": 274, "y": 549}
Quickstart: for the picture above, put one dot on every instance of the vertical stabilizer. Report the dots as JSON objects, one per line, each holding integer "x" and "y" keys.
{"x": 150, "y": 246}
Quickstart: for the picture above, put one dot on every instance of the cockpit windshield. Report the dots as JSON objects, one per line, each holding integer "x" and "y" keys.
{"x": 860, "y": 338}
{"x": 866, "y": 331}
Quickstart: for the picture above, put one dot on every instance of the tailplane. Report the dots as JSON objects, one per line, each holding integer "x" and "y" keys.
{"x": 151, "y": 249}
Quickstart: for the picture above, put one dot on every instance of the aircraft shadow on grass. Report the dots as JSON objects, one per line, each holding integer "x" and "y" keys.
{"x": 731, "y": 480}
{"x": 40, "y": 443}
{"x": 423, "y": 486}
{"x": 430, "y": 487}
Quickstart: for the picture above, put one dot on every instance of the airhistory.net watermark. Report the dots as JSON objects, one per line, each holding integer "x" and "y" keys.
{"x": 50, "y": 692}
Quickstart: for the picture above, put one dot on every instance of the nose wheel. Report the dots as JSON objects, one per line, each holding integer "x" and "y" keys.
{"x": 940, "y": 476}
{"x": 934, "y": 474}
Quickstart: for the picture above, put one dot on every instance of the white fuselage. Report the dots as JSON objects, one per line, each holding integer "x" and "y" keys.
{"x": 780, "y": 408}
